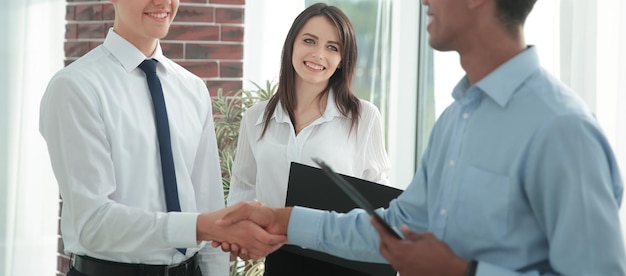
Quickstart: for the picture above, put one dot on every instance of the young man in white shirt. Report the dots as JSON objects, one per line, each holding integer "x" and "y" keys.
{"x": 98, "y": 120}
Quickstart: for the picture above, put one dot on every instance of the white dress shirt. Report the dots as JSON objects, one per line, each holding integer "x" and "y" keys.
{"x": 98, "y": 121}
{"x": 261, "y": 168}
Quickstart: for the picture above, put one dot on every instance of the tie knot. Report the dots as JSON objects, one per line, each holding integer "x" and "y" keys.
{"x": 148, "y": 66}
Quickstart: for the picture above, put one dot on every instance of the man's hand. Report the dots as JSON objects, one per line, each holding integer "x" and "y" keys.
{"x": 274, "y": 220}
{"x": 255, "y": 238}
{"x": 418, "y": 254}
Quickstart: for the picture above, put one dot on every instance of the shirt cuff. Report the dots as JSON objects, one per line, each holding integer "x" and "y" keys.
{"x": 304, "y": 226}
{"x": 181, "y": 229}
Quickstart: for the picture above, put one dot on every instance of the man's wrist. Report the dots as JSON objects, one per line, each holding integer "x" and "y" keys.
{"x": 472, "y": 265}
{"x": 283, "y": 219}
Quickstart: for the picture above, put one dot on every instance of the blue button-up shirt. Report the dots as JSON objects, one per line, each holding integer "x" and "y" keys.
{"x": 517, "y": 175}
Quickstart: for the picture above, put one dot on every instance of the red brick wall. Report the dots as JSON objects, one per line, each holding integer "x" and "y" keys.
{"x": 206, "y": 38}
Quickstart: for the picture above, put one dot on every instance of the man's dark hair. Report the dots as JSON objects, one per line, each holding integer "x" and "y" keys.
{"x": 514, "y": 12}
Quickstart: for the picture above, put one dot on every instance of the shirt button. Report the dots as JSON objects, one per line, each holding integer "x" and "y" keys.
{"x": 443, "y": 212}
{"x": 465, "y": 115}
{"x": 452, "y": 163}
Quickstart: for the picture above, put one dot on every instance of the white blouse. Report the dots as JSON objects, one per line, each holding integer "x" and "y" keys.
{"x": 261, "y": 168}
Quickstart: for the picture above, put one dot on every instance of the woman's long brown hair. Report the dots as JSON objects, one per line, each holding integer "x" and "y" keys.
{"x": 340, "y": 82}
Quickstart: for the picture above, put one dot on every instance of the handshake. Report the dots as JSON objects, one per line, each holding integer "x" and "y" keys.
{"x": 247, "y": 229}
{"x": 250, "y": 230}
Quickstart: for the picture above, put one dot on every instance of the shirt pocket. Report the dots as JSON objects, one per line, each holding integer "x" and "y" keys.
{"x": 483, "y": 203}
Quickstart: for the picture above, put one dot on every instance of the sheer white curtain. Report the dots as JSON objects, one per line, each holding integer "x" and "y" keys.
{"x": 31, "y": 50}
{"x": 610, "y": 98}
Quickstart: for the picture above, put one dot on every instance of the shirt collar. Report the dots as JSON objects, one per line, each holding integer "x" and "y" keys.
{"x": 281, "y": 116}
{"x": 500, "y": 84}
{"x": 127, "y": 54}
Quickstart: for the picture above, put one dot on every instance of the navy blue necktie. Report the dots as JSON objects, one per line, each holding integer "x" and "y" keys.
{"x": 163, "y": 132}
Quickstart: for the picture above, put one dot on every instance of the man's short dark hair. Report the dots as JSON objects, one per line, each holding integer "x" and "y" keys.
{"x": 514, "y": 12}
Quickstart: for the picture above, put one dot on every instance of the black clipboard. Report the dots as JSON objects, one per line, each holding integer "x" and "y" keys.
{"x": 356, "y": 196}
{"x": 312, "y": 187}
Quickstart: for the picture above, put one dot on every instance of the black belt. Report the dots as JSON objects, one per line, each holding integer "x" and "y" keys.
{"x": 96, "y": 267}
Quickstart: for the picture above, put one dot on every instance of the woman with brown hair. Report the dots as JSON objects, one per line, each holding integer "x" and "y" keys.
{"x": 313, "y": 114}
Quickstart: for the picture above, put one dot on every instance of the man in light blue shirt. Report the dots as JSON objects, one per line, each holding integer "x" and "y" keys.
{"x": 518, "y": 177}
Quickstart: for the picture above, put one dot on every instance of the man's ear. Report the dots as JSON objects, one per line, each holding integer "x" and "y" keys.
{"x": 472, "y": 4}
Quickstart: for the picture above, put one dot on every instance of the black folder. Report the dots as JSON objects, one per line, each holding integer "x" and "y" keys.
{"x": 311, "y": 187}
